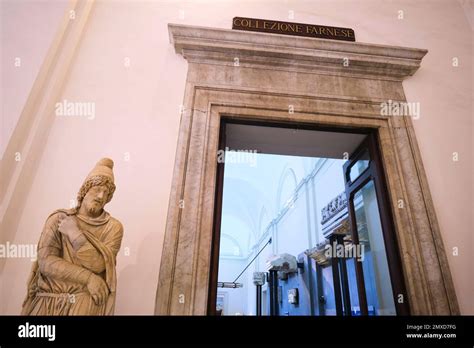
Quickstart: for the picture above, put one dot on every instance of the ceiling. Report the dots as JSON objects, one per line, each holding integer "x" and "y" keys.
{"x": 288, "y": 141}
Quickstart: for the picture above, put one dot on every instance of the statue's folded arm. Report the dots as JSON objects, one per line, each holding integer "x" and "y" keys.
{"x": 51, "y": 263}
{"x": 88, "y": 255}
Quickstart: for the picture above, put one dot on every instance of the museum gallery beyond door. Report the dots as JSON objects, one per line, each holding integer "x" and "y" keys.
{"x": 330, "y": 247}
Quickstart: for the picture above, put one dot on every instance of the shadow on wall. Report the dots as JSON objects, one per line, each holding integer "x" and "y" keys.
{"x": 135, "y": 295}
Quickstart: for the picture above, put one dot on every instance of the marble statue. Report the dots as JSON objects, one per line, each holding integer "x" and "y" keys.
{"x": 75, "y": 270}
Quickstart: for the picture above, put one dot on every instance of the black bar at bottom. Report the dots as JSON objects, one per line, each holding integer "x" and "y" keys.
{"x": 136, "y": 330}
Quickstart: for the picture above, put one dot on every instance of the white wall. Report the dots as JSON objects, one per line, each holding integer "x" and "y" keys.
{"x": 229, "y": 269}
{"x": 138, "y": 113}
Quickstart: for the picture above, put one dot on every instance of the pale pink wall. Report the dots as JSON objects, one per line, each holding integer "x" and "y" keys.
{"x": 27, "y": 30}
{"x": 137, "y": 111}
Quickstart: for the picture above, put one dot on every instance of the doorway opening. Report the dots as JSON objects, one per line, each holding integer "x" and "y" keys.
{"x": 302, "y": 224}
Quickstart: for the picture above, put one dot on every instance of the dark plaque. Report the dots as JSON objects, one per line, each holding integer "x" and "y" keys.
{"x": 288, "y": 28}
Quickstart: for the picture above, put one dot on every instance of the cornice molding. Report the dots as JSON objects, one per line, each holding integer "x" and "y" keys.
{"x": 274, "y": 51}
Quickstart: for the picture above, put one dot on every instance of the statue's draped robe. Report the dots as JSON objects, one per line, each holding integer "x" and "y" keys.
{"x": 58, "y": 281}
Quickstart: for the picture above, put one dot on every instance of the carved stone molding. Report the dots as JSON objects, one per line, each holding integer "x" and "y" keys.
{"x": 210, "y": 45}
{"x": 318, "y": 254}
{"x": 276, "y": 71}
{"x": 335, "y": 206}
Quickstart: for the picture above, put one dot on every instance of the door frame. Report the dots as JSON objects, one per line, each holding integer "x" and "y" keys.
{"x": 296, "y": 81}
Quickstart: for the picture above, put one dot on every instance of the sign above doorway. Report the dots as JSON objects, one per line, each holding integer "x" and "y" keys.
{"x": 297, "y": 29}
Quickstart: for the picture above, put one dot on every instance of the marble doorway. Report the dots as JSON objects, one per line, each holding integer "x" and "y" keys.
{"x": 275, "y": 78}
